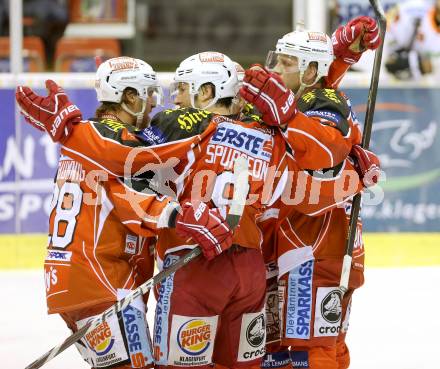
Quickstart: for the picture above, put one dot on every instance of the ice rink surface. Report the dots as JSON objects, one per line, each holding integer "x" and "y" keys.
{"x": 395, "y": 321}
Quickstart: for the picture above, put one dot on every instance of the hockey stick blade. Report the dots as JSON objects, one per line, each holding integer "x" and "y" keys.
{"x": 241, "y": 187}
{"x": 366, "y": 135}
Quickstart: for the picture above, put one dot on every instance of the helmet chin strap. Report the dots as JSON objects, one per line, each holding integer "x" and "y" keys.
{"x": 235, "y": 105}
{"x": 304, "y": 85}
{"x": 139, "y": 115}
{"x": 211, "y": 103}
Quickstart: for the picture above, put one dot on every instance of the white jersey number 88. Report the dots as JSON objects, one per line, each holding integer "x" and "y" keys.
{"x": 68, "y": 205}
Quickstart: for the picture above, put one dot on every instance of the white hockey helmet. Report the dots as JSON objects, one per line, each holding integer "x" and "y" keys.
{"x": 207, "y": 67}
{"x": 308, "y": 47}
{"x": 115, "y": 75}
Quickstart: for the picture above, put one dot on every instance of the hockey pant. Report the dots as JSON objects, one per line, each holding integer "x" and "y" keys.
{"x": 314, "y": 318}
{"x": 122, "y": 341}
{"x": 212, "y": 312}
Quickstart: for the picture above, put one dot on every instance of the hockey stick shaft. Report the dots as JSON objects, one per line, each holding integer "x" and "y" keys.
{"x": 241, "y": 187}
{"x": 371, "y": 104}
{"x": 114, "y": 309}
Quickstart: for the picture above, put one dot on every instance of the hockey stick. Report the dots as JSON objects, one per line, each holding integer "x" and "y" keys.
{"x": 346, "y": 265}
{"x": 241, "y": 188}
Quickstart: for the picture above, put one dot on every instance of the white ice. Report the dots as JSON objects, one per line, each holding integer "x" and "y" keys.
{"x": 394, "y": 323}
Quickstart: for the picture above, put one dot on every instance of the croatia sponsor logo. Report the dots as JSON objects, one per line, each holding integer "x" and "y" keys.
{"x": 328, "y": 312}
{"x": 255, "y": 332}
{"x": 331, "y": 307}
{"x": 252, "y": 337}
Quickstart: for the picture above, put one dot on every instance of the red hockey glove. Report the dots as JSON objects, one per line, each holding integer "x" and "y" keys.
{"x": 205, "y": 226}
{"x": 54, "y": 114}
{"x": 270, "y": 96}
{"x": 345, "y": 36}
{"x": 367, "y": 165}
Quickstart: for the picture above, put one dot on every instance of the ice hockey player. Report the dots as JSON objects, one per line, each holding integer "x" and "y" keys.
{"x": 309, "y": 250}
{"x": 215, "y": 148}
{"x": 100, "y": 229}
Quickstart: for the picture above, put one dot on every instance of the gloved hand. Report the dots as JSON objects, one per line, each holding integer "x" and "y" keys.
{"x": 345, "y": 38}
{"x": 54, "y": 114}
{"x": 367, "y": 165}
{"x": 205, "y": 226}
{"x": 267, "y": 92}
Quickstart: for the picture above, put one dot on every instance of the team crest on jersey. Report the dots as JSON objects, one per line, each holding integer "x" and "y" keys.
{"x": 130, "y": 244}
{"x": 100, "y": 339}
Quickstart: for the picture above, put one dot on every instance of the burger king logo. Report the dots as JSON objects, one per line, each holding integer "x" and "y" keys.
{"x": 194, "y": 336}
{"x": 100, "y": 339}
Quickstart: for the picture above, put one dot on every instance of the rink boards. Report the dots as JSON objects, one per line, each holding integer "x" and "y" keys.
{"x": 382, "y": 250}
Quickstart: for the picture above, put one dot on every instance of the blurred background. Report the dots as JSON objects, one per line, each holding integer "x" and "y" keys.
{"x": 59, "y": 39}
{"x": 61, "y": 35}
